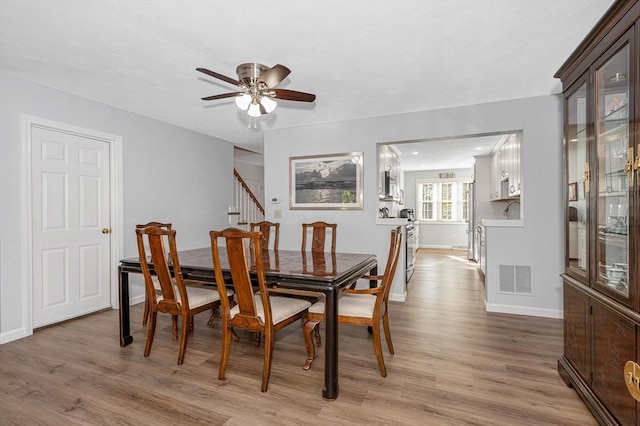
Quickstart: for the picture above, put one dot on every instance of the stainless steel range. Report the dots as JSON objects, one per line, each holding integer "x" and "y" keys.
{"x": 412, "y": 247}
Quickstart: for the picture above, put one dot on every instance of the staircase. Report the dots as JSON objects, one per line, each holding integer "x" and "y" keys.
{"x": 247, "y": 207}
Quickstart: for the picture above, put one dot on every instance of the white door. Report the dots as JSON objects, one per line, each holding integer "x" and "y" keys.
{"x": 70, "y": 225}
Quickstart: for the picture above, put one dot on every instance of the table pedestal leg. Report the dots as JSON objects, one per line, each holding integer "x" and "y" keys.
{"x": 330, "y": 390}
{"x": 125, "y": 321}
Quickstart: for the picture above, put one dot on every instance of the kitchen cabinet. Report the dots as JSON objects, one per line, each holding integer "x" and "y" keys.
{"x": 505, "y": 179}
{"x": 601, "y": 88}
{"x": 389, "y": 173}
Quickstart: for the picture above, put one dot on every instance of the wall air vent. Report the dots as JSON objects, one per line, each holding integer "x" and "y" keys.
{"x": 515, "y": 279}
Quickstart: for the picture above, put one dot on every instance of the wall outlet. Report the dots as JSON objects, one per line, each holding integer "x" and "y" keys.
{"x": 275, "y": 200}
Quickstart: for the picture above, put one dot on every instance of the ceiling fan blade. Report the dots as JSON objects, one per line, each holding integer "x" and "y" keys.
{"x": 274, "y": 75}
{"x": 222, "y": 96}
{"x": 292, "y": 95}
{"x": 219, "y": 76}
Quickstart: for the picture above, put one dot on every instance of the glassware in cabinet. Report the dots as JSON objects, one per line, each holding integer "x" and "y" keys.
{"x": 613, "y": 189}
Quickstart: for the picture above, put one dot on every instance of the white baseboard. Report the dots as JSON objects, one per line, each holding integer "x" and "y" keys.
{"x": 21, "y": 333}
{"x": 398, "y": 297}
{"x": 12, "y": 335}
{"x": 523, "y": 310}
{"x": 136, "y": 300}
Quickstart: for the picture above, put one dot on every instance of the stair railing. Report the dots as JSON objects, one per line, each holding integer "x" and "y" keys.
{"x": 248, "y": 207}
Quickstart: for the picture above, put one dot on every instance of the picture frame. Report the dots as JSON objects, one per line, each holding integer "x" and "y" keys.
{"x": 326, "y": 182}
{"x": 573, "y": 191}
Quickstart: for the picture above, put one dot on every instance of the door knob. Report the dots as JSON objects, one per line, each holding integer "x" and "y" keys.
{"x": 106, "y": 230}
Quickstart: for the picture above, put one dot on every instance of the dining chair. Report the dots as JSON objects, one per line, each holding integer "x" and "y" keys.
{"x": 156, "y": 284}
{"x": 175, "y": 299}
{"x": 366, "y": 307}
{"x": 319, "y": 235}
{"x": 268, "y": 229}
{"x": 256, "y": 312}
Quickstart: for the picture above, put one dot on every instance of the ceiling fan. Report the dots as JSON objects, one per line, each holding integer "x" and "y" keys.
{"x": 257, "y": 88}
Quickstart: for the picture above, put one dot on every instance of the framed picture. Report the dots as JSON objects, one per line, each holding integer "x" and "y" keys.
{"x": 573, "y": 191}
{"x": 326, "y": 182}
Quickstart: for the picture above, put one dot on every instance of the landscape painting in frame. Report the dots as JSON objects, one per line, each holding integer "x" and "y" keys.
{"x": 329, "y": 182}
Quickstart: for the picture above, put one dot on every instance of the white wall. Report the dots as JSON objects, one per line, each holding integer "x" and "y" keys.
{"x": 169, "y": 174}
{"x": 539, "y": 243}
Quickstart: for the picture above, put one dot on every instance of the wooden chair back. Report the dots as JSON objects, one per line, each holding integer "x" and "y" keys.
{"x": 253, "y": 312}
{"x": 157, "y": 239}
{"x": 268, "y": 230}
{"x": 319, "y": 236}
{"x": 354, "y": 308}
{"x": 169, "y": 294}
{"x": 395, "y": 247}
{"x": 154, "y": 283}
{"x": 237, "y": 242}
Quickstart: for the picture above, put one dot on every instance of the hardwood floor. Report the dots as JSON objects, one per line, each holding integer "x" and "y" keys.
{"x": 454, "y": 365}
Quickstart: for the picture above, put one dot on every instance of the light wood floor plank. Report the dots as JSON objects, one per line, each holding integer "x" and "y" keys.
{"x": 455, "y": 364}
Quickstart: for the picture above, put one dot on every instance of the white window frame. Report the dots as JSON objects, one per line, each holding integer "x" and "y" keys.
{"x": 457, "y": 201}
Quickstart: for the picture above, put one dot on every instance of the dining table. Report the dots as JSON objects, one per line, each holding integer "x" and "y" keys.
{"x": 320, "y": 272}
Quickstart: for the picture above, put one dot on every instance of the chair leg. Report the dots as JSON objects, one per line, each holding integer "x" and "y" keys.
{"x": 145, "y": 313}
{"x": 268, "y": 352}
{"x": 226, "y": 347}
{"x": 309, "y": 327}
{"x": 387, "y": 332}
{"x": 151, "y": 331}
{"x": 377, "y": 347}
{"x": 215, "y": 314}
{"x": 316, "y": 332}
{"x": 174, "y": 326}
{"x": 184, "y": 336}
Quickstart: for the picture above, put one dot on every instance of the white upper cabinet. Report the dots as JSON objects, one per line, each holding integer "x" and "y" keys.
{"x": 506, "y": 181}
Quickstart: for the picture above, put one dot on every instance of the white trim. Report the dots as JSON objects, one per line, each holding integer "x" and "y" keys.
{"x": 524, "y": 310}
{"x": 436, "y": 246}
{"x": 116, "y": 212}
{"x": 398, "y": 297}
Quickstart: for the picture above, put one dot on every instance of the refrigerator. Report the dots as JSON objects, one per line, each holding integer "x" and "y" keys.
{"x": 471, "y": 226}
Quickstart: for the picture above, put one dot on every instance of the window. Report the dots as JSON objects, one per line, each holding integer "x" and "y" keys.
{"x": 428, "y": 200}
{"x": 443, "y": 201}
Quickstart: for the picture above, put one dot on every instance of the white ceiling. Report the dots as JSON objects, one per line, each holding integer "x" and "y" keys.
{"x": 361, "y": 58}
{"x": 455, "y": 153}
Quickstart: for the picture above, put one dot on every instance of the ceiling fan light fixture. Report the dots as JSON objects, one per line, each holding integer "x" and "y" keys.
{"x": 268, "y": 104}
{"x": 243, "y": 101}
{"x": 254, "y": 110}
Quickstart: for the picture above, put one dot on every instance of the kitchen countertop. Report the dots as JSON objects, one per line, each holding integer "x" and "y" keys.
{"x": 507, "y": 223}
{"x": 395, "y": 221}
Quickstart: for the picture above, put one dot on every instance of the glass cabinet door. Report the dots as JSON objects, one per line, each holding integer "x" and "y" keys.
{"x": 613, "y": 192}
{"x": 578, "y": 180}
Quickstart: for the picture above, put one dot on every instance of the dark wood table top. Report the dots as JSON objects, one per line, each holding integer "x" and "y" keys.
{"x": 307, "y": 269}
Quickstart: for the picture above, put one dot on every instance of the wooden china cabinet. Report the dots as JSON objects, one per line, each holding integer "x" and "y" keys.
{"x": 601, "y": 87}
